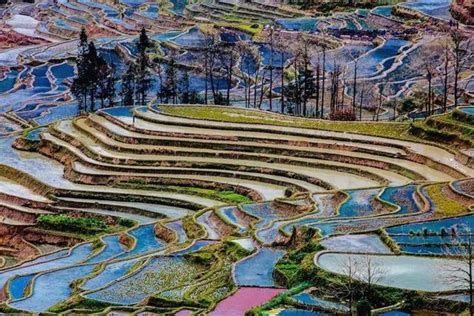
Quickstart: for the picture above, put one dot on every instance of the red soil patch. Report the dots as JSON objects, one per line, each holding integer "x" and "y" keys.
{"x": 13, "y": 39}
{"x": 244, "y": 299}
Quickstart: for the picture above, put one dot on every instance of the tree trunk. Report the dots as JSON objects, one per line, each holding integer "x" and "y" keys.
{"x": 317, "y": 89}
{"x": 206, "y": 62}
{"x": 255, "y": 90}
{"x": 456, "y": 80}
{"x": 229, "y": 78}
{"x": 354, "y": 87}
{"x": 261, "y": 92}
{"x": 429, "y": 96}
{"x": 282, "y": 94}
{"x": 271, "y": 68}
{"x": 445, "y": 90}
{"x": 323, "y": 83}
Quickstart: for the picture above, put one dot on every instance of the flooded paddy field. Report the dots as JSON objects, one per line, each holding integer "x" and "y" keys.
{"x": 221, "y": 157}
{"x": 164, "y": 252}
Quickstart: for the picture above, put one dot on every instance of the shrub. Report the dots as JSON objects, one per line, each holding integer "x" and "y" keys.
{"x": 67, "y": 223}
{"x": 125, "y": 222}
{"x": 346, "y": 114}
{"x": 363, "y": 308}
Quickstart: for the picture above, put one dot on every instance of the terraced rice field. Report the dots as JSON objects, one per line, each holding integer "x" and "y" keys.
{"x": 107, "y": 164}
{"x": 217, "y": 210}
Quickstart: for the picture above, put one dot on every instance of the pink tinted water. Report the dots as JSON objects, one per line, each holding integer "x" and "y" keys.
{"x": 244, "y": 299}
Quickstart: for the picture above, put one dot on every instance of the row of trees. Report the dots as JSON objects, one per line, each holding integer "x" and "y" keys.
{"x": 314, "y": 90}
{"x": 304, "y": 88}
{"x": 307, "y": 87}
{"x": 443, "y": 65}
{"x": 96, "y": 78}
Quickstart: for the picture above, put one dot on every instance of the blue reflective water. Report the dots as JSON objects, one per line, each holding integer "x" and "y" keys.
{"x": 119, "y": 111}
{"x": 468, "y": 109}
{"x": 229, "y": 213}
{"x": 8, "y": 82}
{"x": 403, "y": 197}
{"x": 264, "y": 211}
{"x": 434, "y": 8}
{"x": 163, "y": 37}
{"x": 146, "y": 241}
{"x": 52, "y": 288}
{"x": 394, "y": 313}
{"x": 385, "y": 11}
{"x": 192, "y": 38}
{"x": 113, "y": 247}
{"x": 415, "y": 239}
{"x": 456, "y": 223}
{"x": 41, "y": 82}
{"x": 177, "y": 226}
{"x": 359, "y": 203}
{"x": 62, "y": 71}
{"x": 299, "y": 24}
{"x": 77, "y": 255}
{"x": 368, "y": 63}
{"x": 178, "y": 6}
{"x": 432, "y": 250}
{"x": 112, "y": 272}
{"x": 265, "y": 259}
{"x": 35, "y": 133}
{"x": 18, "y": 286}
{"x": 312, "y": 300}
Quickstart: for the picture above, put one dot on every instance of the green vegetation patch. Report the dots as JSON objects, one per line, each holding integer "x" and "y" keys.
{"x": 64, "y": 222}
{"x": 224, "y": 196}
{"x": 397, "y": 130}
{"x": 79, "y": 303}
{"x": 297, "y": 265}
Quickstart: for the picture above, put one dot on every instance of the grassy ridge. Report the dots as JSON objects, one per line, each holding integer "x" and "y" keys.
{"x": 397, "y": 130}
{"x": 224, "y": 196}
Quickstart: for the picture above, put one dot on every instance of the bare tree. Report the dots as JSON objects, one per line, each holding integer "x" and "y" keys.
{"x": 430, "y": 73}
{"x": 271, "y": 67}
{"x": 350, "y": 269}
{"x": 335, "y": 74}
{"x": 460, "y": 273}
{"x": 370, "y": 272}
{"x": 213, "y": 66}
{"x": 354, "y": 83}
{"x": 381, "y": 98}
{"x": 209, "y": 61}
{"x": 460, "y": 50}
{"x": 259, "y": 74}
{"x": 281, "y": 46}
{"x": 244, "y": 51}
{"x": 228, "y": 58}
{"x": 323, "y": 81}
{"x": 305, "y": 71}
{"x": 445, "y": 75}
{"x": 361, "y": 102}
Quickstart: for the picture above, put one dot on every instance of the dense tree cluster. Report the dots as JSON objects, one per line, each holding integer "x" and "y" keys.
{"x": 95, "y": 77}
